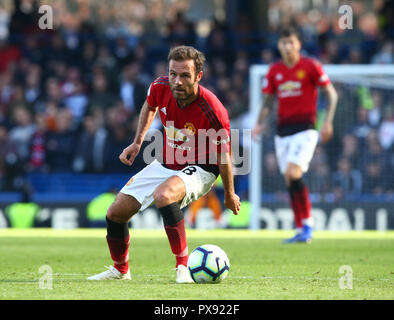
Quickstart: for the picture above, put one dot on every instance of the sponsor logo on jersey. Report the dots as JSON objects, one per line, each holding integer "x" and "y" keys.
{"x": 222, "y": 141}
{"x": 290, "y": 85}
{"x": 289, "y": 89}
{"x": 179, "y": 146}
{"x": 176, "y": 134}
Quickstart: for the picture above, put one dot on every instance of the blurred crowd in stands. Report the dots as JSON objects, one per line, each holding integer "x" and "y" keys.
{"x": 70, "y": 97}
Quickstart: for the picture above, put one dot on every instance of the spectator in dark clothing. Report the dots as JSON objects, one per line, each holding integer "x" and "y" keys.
{"x": 219, "y": 45}
{"x": 122, "y": 52}
{"x": 373, "y": 151}
{"x": 61, "y": 143}
{"x": 32, "y": 50}
{"x": 350, "y": 150}
{"x": 56, "y": 51}
{"x": 52, "y": 96}
{"x": 89, "y": 155}
{"x": 132, "y": 90}
{"x": 32, "y": 90}
{"x": 23, "y": 21}
{"x": 374, "y": 180}
{"x": 101, "y": 97}
{"x": 362, "y": 127}
{"x": 107, "y": 65}
{"x": 118, "y": 139}
{"x": 346, "y": 180}
{"x": 181, "y": 32}
{"x": 87, "y": 61}
{"x": 10, "y": 162}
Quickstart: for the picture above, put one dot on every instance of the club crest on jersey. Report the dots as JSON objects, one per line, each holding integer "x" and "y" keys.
{"x": 130, "y": 181}
{"x": 300, "y": 74}
{"x": 191, "y": 129}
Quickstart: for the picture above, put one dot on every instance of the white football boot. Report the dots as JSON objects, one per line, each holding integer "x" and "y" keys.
{"x": 183, "y": 274}
{"x": 111, "y": 274}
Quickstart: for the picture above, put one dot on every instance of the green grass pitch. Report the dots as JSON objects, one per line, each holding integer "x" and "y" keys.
{"x": 261, "y": 267}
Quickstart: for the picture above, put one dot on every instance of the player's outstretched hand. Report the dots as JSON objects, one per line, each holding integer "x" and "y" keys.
{"x": 231, "y": 201}
{"x": 128, "y": 155}
{"x": 326, "y": 132}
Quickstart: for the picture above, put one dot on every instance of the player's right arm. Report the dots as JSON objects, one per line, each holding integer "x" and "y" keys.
{"x": 268, "y": 90}
{"x": 326, "y": 131}
{"x": 323, "y": 81}
{"x": 268, "y": 102}
{"x": 231, "y": 200}
{"x": 146, "y": 118}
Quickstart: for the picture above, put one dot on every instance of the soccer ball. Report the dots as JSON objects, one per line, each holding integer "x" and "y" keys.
{"x": 208, "y": 264}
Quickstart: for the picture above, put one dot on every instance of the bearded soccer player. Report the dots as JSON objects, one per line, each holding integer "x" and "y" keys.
{"x": 195, "y": 123}
{"x": 295, "y": 81}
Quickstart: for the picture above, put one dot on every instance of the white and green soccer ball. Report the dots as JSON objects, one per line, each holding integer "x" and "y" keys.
{"x": 208, "y": 264}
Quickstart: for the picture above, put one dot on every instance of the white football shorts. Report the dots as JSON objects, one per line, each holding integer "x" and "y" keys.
{"x": 297, "y": 148}
{"x": 141, "y": 186}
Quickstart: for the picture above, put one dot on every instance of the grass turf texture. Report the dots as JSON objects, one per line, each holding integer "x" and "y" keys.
{"x": 261, "y": 267}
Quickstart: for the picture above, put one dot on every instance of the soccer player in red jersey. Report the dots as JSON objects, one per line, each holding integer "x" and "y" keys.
{"x": 295, "y": 81}
{"x": 196, "y": 151}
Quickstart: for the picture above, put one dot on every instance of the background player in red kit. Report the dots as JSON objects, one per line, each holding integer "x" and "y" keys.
{"x": 188, "y": 111}
{"x": 295, "y": 81}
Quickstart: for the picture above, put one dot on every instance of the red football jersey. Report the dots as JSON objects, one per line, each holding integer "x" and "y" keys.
{"x": 193, "y": 134}
{"x": 296, "y": 89}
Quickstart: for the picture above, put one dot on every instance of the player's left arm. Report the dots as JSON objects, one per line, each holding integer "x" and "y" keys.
{"x": 327, "y": 130}
{"x": 231, "y": 200}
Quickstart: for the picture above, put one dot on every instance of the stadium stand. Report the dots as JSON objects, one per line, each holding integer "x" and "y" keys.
{"x": 70, "y": 97}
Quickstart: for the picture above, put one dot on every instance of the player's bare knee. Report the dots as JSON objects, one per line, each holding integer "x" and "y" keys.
{"x": 162, "y": 197}
{"x": 123, "y": 208}
{"x": 113, "y": 214}
{"x": 118, "y": 214}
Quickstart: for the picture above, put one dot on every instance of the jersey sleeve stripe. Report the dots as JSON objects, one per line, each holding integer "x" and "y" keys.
{"x": 207, "y": 115}
{"x": 161, "y": 80}
{"x": 164, "y": 78}
{"x": 212, "y": 113}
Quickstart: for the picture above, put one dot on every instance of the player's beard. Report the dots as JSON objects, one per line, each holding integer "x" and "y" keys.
{"x": 184, "y": 95}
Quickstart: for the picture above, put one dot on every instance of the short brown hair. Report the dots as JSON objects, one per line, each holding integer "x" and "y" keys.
{"x": 182, "y": 53}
